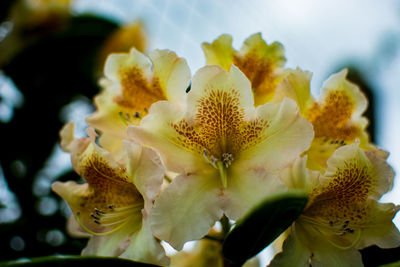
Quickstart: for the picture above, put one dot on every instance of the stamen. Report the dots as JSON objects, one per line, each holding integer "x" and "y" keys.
{"x": 94, "y": 217}
{"x": 124, "y": 119}
{"x": 128, "y": 118}
{"x": 99, "y": 234}
{"x": 358, "y": 235}
{"x": 343, "y": 230}
{"x": 210, "y": 159}
{"x": 227, "y": 159}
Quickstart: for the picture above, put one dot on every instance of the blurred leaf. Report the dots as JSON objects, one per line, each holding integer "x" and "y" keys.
{"x": 75, "y": 261}
{"x": 263, "y": 225}
{"x": 50, "y": 73}
{"x": 393, "y": 264}
{"x": 4, "y": 7}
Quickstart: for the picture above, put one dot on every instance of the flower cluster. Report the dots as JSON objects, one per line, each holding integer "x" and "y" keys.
{"x": 176, "y": 153}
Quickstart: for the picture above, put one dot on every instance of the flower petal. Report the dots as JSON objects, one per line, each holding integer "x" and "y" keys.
{"x": 157, "y": 130}
{"x": 294, "y": 253}
{"x": 247, "y": 188}
{"x": 286, "y": 136}
{"x": 113, "y": 244}
{"x": 144, "y": 247}
{"x": 336, "y": 116}
{"x": 220, "y": 52}
{"x": 297, "y": 176}
{"x": 324, "y": 253}
{"x": 263, "y": 65}
{"x": 296, "y": 85}
{"x": 187, "y": 209}
{"x": 214, "y": 79}
{"x": 145, "y": 167}
{"x": 133, "y": 83}
{"x": 102, "y": 204}
{"x": 371, "y": 173}
{"x": 380, "y": 229}
{"x": 172, "y": 73}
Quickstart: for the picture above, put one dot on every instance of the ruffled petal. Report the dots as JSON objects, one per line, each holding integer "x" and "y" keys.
{"x": 172, "y": 73}
{"x": 133, "y": 82}
{"x": 220, "y": 52}
{"x": 296, "y": 85}
{"x": 285, "y": 137}
{"x": 338, "y": 82}
{"x": 247, "y": 188}
{"x": 350, "y": 164}
{"x": 263, "y": 65}
{"x": 380, "y": 230}
{"x": 187, "y": 209}
{"x": 336, "y": 116}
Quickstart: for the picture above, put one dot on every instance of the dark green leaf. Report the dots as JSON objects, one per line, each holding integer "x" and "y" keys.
{"x": 263, "y": 225}
{"x": 75, "y": 261}
{"x": 393, "y": 264}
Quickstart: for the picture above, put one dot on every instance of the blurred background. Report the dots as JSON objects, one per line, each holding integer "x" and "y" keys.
{"x": 52, "y": 53}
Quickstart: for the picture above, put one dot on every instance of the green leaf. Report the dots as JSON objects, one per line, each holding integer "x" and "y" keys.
{"x": 75, "y": 261}
{"x": 262, "y": 225}
{"x": 393, "y": 264}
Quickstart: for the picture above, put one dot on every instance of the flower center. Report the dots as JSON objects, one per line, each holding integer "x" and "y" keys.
{"x": 112, "y": 217}
{"x": 221, "y": 164}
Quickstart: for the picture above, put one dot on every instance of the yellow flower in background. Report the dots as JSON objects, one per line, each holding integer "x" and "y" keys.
{"x": 132, "y": 83}
{"x": 114, "y": 204}
{"x": 122, "y": 40}
{"x": 224, "y": 150}
{"x": 343, "y": 213}
{"x": 261, "y": 63}
{"x": 32, "y": 20}
{"x": 336, "y": 116}
{"x": 206, "y": 253}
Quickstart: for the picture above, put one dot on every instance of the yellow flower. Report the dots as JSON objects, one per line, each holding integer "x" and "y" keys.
{"x": 336, "y": 116}
{"x": 261, "y": 63}
{"x": 132, "y": 83}
{"x": 224, "y": 150}
{"x": 343, "y": 213}
{"x": 114, "y": 204}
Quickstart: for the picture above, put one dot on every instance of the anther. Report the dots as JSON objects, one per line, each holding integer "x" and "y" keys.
{"x": 227, "y": 159}
{"x": 94, "y": 217}
{"x": 98, "y": 212}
